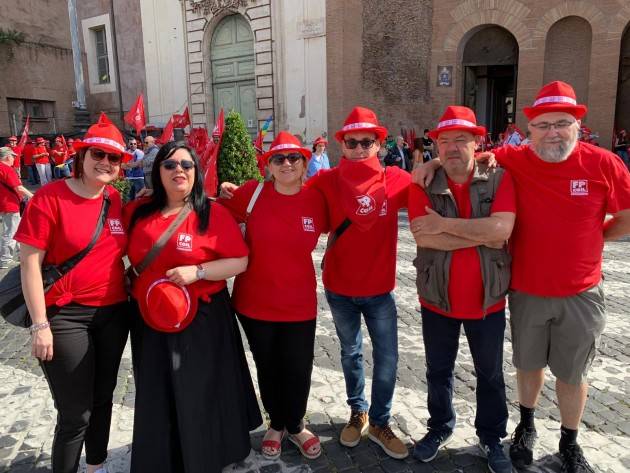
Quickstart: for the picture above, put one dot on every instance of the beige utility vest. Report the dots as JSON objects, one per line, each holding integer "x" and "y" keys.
{"x": 433, "y": 266}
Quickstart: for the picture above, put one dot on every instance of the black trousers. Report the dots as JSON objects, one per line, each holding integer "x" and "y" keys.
{"x": 195, "y": 400}
{"x": 283, "y": 353}
{"x": 88, "y": 343}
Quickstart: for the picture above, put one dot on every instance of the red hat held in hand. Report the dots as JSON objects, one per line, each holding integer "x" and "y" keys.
{"x": 556, "y": 96}
{"x": 164, "y": 305}
{"x": 460, "y": 118}
{"x": 362, "y": 119}
{"x": 285, "y": 141}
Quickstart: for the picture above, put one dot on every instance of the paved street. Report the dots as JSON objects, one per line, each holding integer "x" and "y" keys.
{"x": 27, "y": 414}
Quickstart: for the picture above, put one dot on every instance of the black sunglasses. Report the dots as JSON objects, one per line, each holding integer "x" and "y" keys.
{"x": 99, "y": 155}
{"x": 278, "y": 159}
{"x": 171, "y": 164}
{"x": 365, "y": 144}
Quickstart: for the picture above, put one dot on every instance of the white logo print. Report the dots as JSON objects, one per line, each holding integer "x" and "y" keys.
{"x": 579, "y": 187}
{"x": 115, "y": 226}
{"x": 366, "y": 205}
{"x": 307, "y": 224}
{"x": 383, "y": 211}
{"x": 184, "y": 242}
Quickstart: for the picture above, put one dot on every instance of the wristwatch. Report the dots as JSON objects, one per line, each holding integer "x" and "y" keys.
{"x": 201, "y": 273}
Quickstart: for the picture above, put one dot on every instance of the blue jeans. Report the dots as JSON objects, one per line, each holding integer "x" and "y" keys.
{"x": 485, "y": 339}
{"x": 136, "y": 186}
{"x": 63, "y": 171}
{"x": 380, "y": 317}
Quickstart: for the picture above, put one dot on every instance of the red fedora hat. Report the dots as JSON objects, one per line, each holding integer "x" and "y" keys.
{"x": 164, "y": 305}
{"x": 362, "y": 119}
{"x": 456, "y": 117}
{"x": 320, "y": 140}
{"x": 556, "y": 96}
{"x": 103, "y": 135}
{"x": 285, "y": 141}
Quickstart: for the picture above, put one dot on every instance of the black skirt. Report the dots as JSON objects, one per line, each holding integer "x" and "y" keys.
{"x": 195, "y": 401}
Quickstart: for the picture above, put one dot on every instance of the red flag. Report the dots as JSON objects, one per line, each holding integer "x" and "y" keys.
{"x": 183, "y": 120}
{"x": 135, "y": 117}
{"x": 198, "y": 140}
{"x": 24, "y": 137}
{"x": 167, "y": 133}
{"x": 209, "y": 158}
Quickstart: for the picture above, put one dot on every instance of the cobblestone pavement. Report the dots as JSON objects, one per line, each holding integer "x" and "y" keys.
{"x": 27, "y": 414}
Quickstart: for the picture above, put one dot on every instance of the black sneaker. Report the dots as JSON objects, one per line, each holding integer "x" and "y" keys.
{"x": 522, "y": 448}
{"x": 427, "y": 448}
{"x": 573, "y": 460}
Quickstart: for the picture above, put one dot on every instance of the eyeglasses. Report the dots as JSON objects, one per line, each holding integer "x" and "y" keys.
{"x": 171, "y": 164}
{"x": 99, "y": 155}
{"x": 133, "y": 144}
{"x": 365, "y": 144}
{"x": 278, "y": 159}
{"x": 546, "y": 126}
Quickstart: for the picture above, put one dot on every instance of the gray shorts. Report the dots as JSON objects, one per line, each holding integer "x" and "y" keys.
{"x": 561, "y": 332}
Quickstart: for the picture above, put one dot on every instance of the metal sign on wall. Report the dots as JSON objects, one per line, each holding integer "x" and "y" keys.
{"x": 445, "y": 76}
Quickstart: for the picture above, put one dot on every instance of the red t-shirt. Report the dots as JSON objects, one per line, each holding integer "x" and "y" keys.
{"x": 62, "y": 223}
{"x": 282, "y": 232}
{"x": 27, "y": 154}
{"x": 42, "y": 159}
{"x": 59, "y": 154}
{"x": 9, "y": 199}
{"x": 558, "y": 237}
{"x": 186, "y": 246}
{"x": 465, "y": 287}
{"x": 363, "y": 264}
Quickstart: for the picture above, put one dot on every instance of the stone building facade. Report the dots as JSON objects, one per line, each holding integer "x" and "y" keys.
{"x": 27, "y": 85}
{"x": 488, "y": 54}
{"x": 260, "y": 57}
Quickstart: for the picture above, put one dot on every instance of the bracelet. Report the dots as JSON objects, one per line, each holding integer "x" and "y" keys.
{"x": 37, "y": 327}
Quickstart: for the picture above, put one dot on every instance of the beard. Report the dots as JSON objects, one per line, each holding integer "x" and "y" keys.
{"x": 557, "y": 151}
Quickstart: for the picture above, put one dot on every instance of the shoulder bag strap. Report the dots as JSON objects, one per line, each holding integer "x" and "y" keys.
{"x": 334, "y": 236}
{"x": 164, "y": 237}
{"x": 53, "y": 273}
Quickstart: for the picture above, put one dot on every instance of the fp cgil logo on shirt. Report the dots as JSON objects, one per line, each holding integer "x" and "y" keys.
{"x": 115, "y": 226}
{"x": 366, "y": 204}
{"x": 307, "y": 224}
{"x": 579, "y": 187}
{"x": 184, "y": 242}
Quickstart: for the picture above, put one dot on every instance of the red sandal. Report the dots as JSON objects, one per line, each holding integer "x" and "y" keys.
{"x": 273, "y": 444}
{"x": 307, "y": 445}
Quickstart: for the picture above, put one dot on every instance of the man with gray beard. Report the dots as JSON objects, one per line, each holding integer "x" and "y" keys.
{"x": 564, "y": 190}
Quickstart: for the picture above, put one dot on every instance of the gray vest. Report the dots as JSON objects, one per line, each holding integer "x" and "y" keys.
{"x": 433, "y": 266}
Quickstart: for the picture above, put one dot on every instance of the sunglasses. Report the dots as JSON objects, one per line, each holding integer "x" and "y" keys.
{"x": 171, "y": 164}
{"x": 99, "y": 155}
{"x": 365, "y": 144}
{"x": 278, "y": 159}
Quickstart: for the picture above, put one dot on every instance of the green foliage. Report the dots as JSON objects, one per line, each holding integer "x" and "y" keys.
{"x": 123, "y": 186}
{"x": 11, "y": 36}
{"x": 237, "y": 158}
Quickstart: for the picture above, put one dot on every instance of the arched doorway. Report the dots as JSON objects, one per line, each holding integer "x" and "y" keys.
{"x": 232, "y": 64}
{"x": 622, "y": 109}
{"x": 490, "y": 66}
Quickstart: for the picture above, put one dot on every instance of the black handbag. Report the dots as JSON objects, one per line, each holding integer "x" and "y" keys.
{"x": 12, "y": 304}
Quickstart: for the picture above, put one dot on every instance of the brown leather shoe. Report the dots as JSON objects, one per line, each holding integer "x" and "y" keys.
{"x": 354, "y": 429}
{"x": 387, "y": 440}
